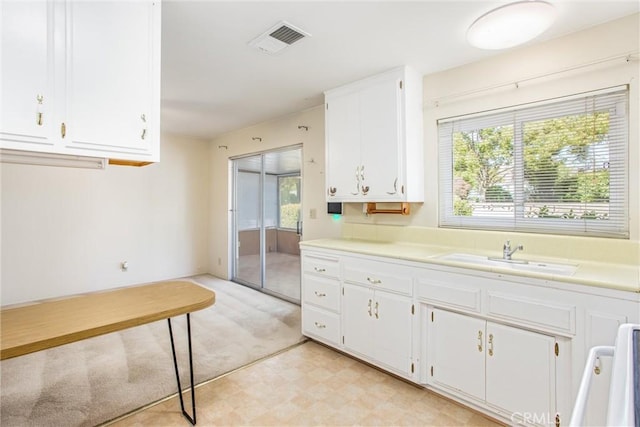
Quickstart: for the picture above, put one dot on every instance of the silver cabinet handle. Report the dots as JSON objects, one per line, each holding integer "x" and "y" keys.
{"x": 319, "y": 269}
{"x": 144, "y": 129}
{"x": 395, "y": 187}
{"x": 320, "y": 325}
{"x": 39, "y": 98}
{"x": 357, "y": 181}
{"x": 374, "y": 281}
{"x": 331, "y": 191}
{"x": 320, "y": 294}
{"x": 376, "y": 313}
{"x": 363, "y": 188}
{"x": 369, "y": 310}
{"x": 490, "y": 344}
{"x": 480, "y": 341}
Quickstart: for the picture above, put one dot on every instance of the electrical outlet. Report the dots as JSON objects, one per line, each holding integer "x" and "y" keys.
{"x": 312, "y": 213}
{"x": 124, "y": 266}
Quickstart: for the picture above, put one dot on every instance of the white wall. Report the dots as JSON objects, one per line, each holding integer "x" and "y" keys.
{"x": 281, "y": 132}
{"x": 490, "y": 84}
{"x": 65, "y": 230}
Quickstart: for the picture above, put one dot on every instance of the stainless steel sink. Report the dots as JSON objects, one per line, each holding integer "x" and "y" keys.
{"x": 516, "y": 264}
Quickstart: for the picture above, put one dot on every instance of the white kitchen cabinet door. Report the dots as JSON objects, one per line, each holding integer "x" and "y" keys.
{"x": 602, "y": 329}
{"x": 370, "y": 141}
{"x": 393, "y": 331}
{"x": 321, "y": 324}
{"x": 343, "y": 154}
{"x": 377, "y": 325}
{"x": 520, "y": 372}
{"x": 357, "y": 319}
{"x": 457, "y": 352}
{"x": 380, "y": 118}
{"x": 111, "y": 84}
{"x": 28, "y": 60}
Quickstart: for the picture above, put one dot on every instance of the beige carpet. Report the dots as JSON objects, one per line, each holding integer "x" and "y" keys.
{"x": 92, "y": 381}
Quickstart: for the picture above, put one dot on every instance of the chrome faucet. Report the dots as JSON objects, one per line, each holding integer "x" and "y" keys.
{"x": 507, "y": 251}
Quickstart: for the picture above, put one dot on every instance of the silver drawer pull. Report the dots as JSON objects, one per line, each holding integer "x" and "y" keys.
{"x": 374, "y": 281}
{"x": 320, "y": 325}
{"x": 319, "y": 294}
{"x": 319, "y": 269}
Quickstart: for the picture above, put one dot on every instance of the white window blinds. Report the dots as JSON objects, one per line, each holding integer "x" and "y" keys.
{"x": 554, "y": 167}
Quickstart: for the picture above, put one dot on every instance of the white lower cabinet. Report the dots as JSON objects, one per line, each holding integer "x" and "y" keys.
{"x": 521, "y": 373}
{"x": 457, "y": 356}
{"x": 378, "y": 325}
{"x": 321, "y": 298}
{"x": 510, "y": 369}
{"x": 512, "y": 347}
{"x": 601, "y": 330}
{"x": 322, "y": 325}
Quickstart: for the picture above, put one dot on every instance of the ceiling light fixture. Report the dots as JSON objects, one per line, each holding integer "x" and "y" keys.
{"x": 511, "y": 24}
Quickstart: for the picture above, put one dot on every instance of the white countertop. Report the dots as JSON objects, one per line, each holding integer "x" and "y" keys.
{"x": 623, "y": 277}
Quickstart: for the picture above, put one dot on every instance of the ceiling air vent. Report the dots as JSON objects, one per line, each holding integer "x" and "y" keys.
{"x": 278, "y": 37}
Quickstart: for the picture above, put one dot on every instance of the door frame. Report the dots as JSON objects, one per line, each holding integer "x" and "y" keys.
{"x": 233, "y": 223}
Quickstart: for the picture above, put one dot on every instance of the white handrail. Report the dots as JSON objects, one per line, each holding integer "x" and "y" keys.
{"x": 577, "y": 417}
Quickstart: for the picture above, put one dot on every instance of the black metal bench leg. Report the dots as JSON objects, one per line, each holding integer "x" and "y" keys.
{"x": 175, "y": 364}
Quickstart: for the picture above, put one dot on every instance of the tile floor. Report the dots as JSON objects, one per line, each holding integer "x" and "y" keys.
{"x": 311, "y": 385}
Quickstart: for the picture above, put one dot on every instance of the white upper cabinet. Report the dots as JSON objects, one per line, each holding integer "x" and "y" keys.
{"x": 27, "y": 76}
{"x": 95, "y": 67}
{"x": 342, "y": 154}
{"x": 373, "y": 132}
{"x": 110, "y": 58}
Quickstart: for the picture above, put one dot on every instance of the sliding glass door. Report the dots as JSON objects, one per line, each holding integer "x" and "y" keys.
{"x": 267, "y": 226}
{"x": 248, "y": 220}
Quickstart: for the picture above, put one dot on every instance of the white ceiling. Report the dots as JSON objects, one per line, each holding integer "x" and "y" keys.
{"x": 213, "y": 82}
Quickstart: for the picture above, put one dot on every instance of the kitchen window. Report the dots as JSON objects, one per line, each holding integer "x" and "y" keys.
{"x": 558, "y": 166}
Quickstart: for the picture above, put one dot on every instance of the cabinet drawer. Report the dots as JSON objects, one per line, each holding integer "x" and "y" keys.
{"x": 324, "y": 266}
{"x": 449, "y": 295}
{"x": 322, "y": 292}
{"x": 537, "y": 313}
{"x": 379, "y": 275}
{"x": 321, "y": 324}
